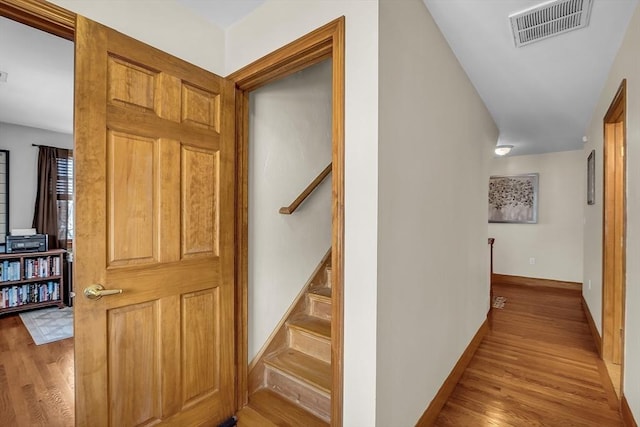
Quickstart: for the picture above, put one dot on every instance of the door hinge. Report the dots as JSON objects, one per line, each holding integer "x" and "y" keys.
{"x": 621, "y": 333}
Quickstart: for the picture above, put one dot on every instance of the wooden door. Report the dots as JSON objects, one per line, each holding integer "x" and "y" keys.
{"x": 154, "y": 217}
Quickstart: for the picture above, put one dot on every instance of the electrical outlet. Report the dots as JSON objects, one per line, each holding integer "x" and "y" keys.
{"x": 532, "y": 261}
{"x": 589, "y": 284}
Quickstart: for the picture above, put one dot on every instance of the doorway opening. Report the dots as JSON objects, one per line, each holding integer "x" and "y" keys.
{"x": 324, "y": 43}
{"x": 36, "y": 353}
{"x": 289, "y": 145}
{"x": 614, "y": 235}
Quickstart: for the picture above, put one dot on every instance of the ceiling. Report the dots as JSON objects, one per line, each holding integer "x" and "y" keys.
{"x": 39, "y": 87}
{"x": 541, "y": 95}
{"x": 222, "y": 13}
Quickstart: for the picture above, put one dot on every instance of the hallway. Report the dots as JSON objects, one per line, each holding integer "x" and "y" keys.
{"x": 537, "y": 366}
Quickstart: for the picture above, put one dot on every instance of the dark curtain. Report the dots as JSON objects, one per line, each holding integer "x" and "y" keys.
{"x": 48, "y": 209}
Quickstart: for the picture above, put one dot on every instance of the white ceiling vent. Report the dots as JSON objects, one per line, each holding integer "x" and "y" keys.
{"x": 549, "y": 19}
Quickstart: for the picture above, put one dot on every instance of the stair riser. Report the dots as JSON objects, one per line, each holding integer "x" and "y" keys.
{"x": 300, "y": 393}
{"x": 312, "y": 345}
{"x": 319, "y": 308}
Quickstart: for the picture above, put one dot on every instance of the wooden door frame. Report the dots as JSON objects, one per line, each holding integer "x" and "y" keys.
{"x": 41, "y": 15}
{"x": 326, "y": 42}
{"x": 614, "y": 218}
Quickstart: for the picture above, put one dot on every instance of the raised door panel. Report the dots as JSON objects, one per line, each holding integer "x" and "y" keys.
{"x": 200, "y": 107}
{"x": 132, "y": 189}
{"x": 130, "y": 84}
{"x": 134, "y": 365}
{"x": 199, "y": 326}
{"x": 200, "y": 212}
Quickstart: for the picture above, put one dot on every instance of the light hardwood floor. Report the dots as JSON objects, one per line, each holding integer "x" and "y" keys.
{"x": 537, "y": 366}
{"x": 36, "y": 381}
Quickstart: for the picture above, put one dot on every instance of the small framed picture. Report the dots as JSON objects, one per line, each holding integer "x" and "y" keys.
{"x": 591, "y": 178}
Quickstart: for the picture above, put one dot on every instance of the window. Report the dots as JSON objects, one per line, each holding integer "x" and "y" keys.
{"x": 64, "y": 192}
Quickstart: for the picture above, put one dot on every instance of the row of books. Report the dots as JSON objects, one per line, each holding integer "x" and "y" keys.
{"x": 33, "y": 268}
{"x": 14, "y": 296}
{"x": 10, "y": 270}
{"x": 41, "y": 267}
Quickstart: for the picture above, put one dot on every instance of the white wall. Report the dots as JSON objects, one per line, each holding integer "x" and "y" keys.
{"x": 270, "y": 27}
{"x": 436, "y": 138}
{"x": 626, "y": 65}
{"x": 556, "y": 240}
{"x": 23, "y": 167}
{"x": 165, "y": 25}
{"x": 290, "y": 144}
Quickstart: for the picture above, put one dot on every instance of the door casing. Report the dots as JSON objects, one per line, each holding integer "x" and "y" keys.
{"x": 614, "y": 230}
{"x": 326, "y": 42}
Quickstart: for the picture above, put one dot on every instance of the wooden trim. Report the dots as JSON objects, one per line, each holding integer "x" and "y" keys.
{"x": 288, "y": 210}
{"x": 614, "y": 229}
{"x": 607, "y": 385}
{"x": 324, "y": 43}
{"x": 491, "y": 241}
{"x": 592, "y": 327}
{"x": 505, "y": 279}
{"x": 431, "y": 414}
{"x": 41, "y": 15}
{"x": 627, "y": 416}
{"x": 615, "y": 109}
{"x": 242, "y": 247}
{"x": 337, "y": 238}
{"x": 302, "y": 53}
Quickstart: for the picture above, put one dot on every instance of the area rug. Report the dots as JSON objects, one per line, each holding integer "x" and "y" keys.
{"x": 498, "y": 302}
{"x": 49, "y": 324}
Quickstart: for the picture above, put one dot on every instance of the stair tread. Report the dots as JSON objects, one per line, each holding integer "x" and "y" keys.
{"x": 321, "y": 292}
{"x": 281, "y": 411}
{"x": 306, "y": 368}
{"x": 249, "y": 417}
{"x": 312, "y": 325}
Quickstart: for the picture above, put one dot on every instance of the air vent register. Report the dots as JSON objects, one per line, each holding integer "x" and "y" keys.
{"x": 549, "y": 19}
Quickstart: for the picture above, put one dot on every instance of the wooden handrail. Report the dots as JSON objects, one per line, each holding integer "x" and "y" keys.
{"x": 288, "y": 210}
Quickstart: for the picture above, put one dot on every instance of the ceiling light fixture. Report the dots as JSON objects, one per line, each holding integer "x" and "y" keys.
{"x": 502, "y": 150}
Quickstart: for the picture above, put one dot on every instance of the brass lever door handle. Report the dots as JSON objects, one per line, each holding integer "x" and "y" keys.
{"x": 95, "y": 292}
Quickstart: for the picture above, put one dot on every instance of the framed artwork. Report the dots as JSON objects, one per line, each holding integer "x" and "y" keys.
{"x": 513, "y": 198}
{"x": 591, "y": 178}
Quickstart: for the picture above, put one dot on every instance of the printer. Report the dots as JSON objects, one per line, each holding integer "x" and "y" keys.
{"x": 29, "y": 243}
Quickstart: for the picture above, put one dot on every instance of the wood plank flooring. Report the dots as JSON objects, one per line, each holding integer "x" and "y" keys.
{"x": 537, "y": 366}
{"x": 36, "y": 382}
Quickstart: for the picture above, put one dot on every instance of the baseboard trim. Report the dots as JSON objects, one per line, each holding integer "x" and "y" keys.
{"x": 627, "y": 415}
{"x": 505, "y": 279}
{"x": 597, "y": 339}
{"x": 431, "y": 414}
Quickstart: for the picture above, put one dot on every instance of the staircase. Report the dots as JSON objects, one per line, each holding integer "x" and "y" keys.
{"x": 290, "y": 381}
